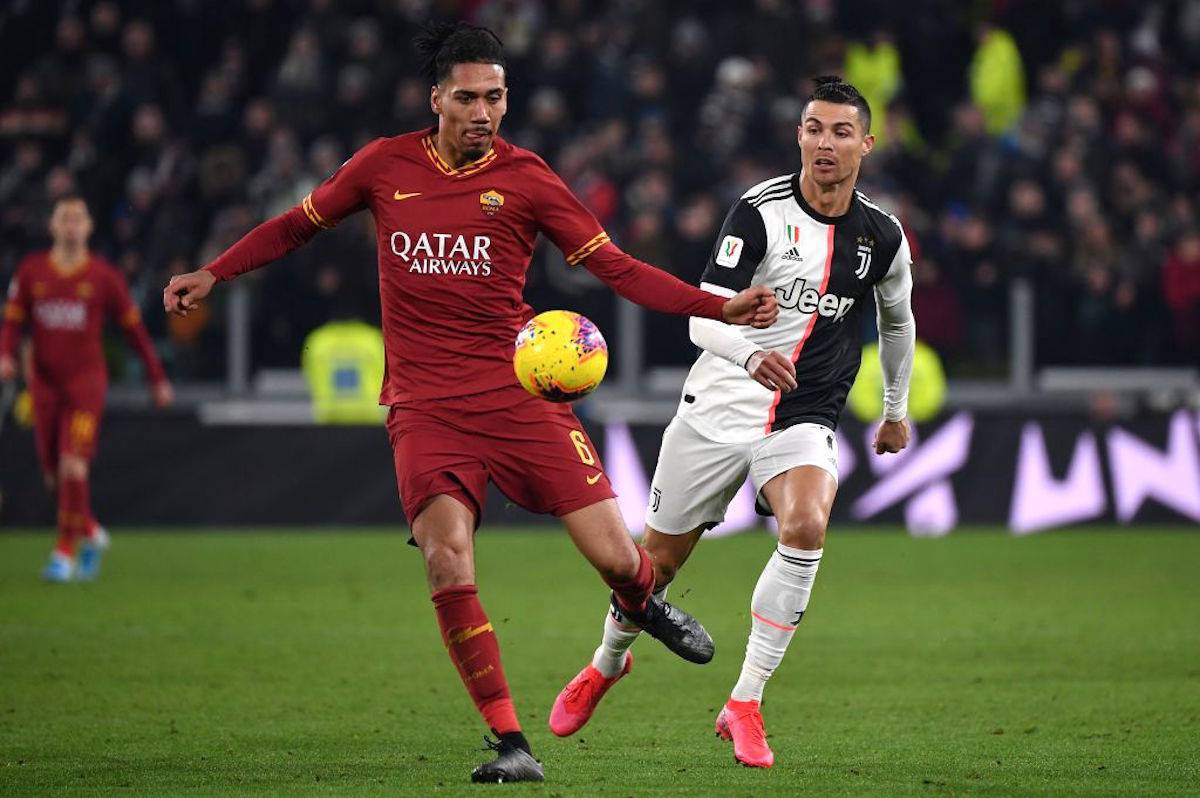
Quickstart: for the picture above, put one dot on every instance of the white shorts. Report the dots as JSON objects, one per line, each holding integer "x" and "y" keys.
{"x": 696, "y": 478}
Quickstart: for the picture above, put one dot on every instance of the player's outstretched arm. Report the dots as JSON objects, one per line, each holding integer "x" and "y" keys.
{"x": 13, "y": 314}
{"x": 567, "y": 222}
{"x": 660, "y": 291}
{"x": 269, "y": 241}
{"x": 342, "y": 194}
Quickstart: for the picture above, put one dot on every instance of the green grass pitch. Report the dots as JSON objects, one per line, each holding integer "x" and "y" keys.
{"x": 301, "y": 662}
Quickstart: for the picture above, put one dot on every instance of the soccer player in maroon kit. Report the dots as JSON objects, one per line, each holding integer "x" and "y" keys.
{"x": 457, "y": 212}
{"x": 65, "y": 294}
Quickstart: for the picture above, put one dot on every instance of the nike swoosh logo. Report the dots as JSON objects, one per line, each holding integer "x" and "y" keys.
{"x": 399, "y": 196}
{"x": 592, "y": 480}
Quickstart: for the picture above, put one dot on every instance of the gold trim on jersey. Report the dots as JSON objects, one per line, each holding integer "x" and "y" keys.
{"x": 67, "y": 271}
{"x": 313, "y": 216}
{"x": 449, "y": 171}
{"x": 132, "y": 318}
{"x": 587, "y": 249}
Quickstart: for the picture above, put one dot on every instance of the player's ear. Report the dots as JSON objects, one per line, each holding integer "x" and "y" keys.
{"x": 868, "y": 144}
{"x": 435, "y": 99}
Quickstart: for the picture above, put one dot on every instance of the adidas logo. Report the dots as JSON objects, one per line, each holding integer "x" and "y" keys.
{"x": 793, "y": 254}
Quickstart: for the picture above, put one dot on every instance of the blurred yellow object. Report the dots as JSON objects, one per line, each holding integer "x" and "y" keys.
{"x": 997, "y": 81}
{"x": 343, "y": 363}
{"x": 926, "y": 391}
{"x": 875, "y": 71}
{"x": 23, "y": 409}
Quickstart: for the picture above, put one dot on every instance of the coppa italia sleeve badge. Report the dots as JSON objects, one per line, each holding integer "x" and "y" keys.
{"x": 490, "y": 202}
{"x": 730, "y": 252}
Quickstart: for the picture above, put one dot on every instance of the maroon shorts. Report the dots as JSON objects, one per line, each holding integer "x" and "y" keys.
{"x": 66, "y": 419}
{"x": 535, "y": 452}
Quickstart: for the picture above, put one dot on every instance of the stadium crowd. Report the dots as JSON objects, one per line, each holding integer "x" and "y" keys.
{"x": 1016, "y": 139}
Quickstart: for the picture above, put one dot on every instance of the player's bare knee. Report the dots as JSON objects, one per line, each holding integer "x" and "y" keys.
{"x": 620, "y": 567}
{"x": 72, "y": 467}
{"x": 806, "y": 530}
{"x": 447, "y": 564}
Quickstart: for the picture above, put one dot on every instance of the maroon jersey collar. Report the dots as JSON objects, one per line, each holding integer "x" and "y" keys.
{"x": 68, "y": 272}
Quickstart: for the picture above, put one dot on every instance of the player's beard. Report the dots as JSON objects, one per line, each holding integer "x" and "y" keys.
{"x": 473, "y": 151}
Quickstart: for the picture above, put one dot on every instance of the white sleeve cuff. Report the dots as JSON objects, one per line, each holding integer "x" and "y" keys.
{"x": 723, "y": 340}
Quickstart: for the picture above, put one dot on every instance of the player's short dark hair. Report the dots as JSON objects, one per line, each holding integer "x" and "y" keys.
{"x": 832, "y": 89}
{"x": 441, "y": 45}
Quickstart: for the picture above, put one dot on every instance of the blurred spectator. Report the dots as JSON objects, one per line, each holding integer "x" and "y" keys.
{"x": 875, "y": 71}
{"x": 1181, "y": 285}
{"x": 998, "y": 79}
{"x": 940, "y": 310}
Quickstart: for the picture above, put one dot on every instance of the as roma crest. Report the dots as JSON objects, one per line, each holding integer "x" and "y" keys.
{"x": 490, "y": 202}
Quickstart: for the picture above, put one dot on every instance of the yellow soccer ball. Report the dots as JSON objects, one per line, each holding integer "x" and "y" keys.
{"x": 561, "y": 356}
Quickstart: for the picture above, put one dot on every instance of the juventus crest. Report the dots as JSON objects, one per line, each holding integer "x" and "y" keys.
{"x": 864, "y": 256}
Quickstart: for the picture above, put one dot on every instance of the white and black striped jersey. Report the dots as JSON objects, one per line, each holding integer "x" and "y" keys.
{"x": 821, "y": 269}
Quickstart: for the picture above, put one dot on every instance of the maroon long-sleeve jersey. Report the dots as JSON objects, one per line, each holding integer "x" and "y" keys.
{"x": 454, "y": 246}
{"x": 66, "y": 311}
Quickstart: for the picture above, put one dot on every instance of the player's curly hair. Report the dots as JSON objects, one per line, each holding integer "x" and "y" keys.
{"x": 832, "y": 89}
{"x": 441, "y": 45}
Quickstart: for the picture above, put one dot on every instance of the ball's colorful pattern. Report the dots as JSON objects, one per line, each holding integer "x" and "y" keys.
{"x": 560, "y": 356}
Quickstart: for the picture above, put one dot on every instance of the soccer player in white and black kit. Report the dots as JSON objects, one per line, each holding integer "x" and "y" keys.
{"x": 765, "y": 403}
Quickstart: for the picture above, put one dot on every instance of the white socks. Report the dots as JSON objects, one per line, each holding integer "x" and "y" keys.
{"x": 619, "y": 635}
{"x": 779, "y": 601}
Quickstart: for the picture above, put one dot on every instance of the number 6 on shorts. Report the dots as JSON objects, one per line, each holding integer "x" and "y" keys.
{"x": 581, "y": 447}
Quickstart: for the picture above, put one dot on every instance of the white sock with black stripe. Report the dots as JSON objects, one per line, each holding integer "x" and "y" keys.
{"x": 779, "y": 601}
{"x": 619, "y": 636}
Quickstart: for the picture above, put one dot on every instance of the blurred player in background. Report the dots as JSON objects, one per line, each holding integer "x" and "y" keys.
{"x": 64, "y": 295}
{"x": 457, "y": 213}
{"x": 765, "y": 404}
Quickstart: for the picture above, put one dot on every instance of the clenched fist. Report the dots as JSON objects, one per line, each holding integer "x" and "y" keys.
{"x": 772, "y": 370}
{"x": 891, "y": 437}
{"x": 755, "y": 306}
{"x": 184, "y": 292}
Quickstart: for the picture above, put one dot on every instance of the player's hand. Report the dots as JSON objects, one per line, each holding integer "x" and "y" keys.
{"x": 891, "y": 437}
{"x": 8, "y": 368}
{"x": 184, "y": 292}
{"x": 164, "y": 394}
{"x": 772, "y": 370}
{"x": 755, "y": 306}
